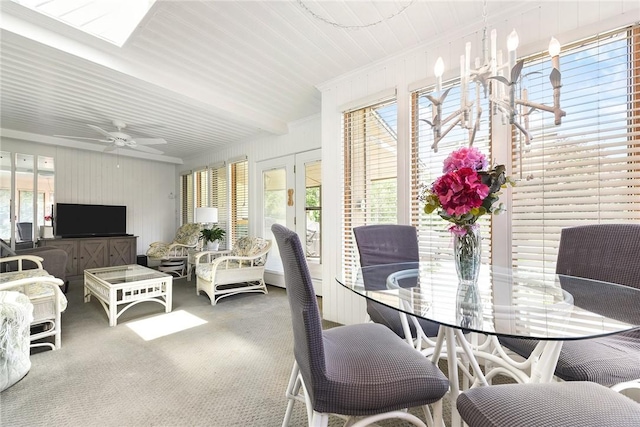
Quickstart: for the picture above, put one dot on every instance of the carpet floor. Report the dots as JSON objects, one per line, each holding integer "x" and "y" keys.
{"x": 230, "y": 367}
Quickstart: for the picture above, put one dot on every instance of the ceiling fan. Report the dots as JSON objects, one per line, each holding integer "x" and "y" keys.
{"x": 120, "y": 139}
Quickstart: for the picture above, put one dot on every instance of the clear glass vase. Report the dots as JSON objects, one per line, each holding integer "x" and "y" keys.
{"x": 469, "y": 306}
{"x": 466, "y": 252}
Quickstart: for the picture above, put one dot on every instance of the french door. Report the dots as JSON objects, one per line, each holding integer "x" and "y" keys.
{"x": 291, "y": 188}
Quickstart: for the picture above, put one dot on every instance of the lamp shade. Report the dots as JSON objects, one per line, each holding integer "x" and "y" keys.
{"x": 206, "y": 215}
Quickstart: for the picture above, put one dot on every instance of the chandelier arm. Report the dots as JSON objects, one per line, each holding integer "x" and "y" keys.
{"x": 527, "y": 135}
{"x": 436, "y": 139}
{"x": 555, "y": 109}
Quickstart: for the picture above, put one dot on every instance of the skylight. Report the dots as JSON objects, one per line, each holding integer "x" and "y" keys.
{"x": 110, "y": 20}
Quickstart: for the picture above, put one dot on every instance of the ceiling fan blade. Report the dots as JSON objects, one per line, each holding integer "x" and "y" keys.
{"x": 149, "y": 141}
{"x": 100, "y": 130}
{"x": 79, "y": 137}
{"x": 146, "y": 149}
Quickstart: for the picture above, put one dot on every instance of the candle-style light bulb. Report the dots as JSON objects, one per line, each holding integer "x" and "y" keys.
{"x": 438, "y": 70}
{"x": 513, "y": 41}
{"x": 554, "y": 47}
{"x": 512, "y": 45}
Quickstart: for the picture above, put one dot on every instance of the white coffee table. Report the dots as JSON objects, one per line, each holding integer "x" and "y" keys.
{"x": 126, "y": 285}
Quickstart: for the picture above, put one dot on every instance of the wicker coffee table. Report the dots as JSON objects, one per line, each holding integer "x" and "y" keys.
{"x": 126, "y": 285}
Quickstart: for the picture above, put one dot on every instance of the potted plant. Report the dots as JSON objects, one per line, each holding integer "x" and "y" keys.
{"x": 212, "y": 237}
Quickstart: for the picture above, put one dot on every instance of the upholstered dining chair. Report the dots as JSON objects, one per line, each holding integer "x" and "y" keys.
{"x": 25, "y": 231}
{"x": 355, "y": 371}
{"x": 606, "y": 252}
{"x": 390, "y": 244}
{"x": 556, "y": 404}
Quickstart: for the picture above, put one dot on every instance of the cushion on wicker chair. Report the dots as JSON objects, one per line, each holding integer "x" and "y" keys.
{"x": 187, "y": 237}
{"x": 571, "y": 404}
{"x": 249, "y": 246}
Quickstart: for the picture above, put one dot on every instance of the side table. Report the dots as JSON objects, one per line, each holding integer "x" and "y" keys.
{"x": 175, "y": 267}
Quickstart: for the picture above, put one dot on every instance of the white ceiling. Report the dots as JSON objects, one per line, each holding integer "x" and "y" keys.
{"x": 202, "y": 74}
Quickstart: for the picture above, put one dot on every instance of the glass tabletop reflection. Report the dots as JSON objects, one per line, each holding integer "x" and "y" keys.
{"x": 505, "y": 302}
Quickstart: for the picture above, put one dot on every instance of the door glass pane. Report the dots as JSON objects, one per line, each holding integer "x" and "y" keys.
{"x": 275, "y": 210}
{"x": 313, "y": 212}
{"x": 5, "y": 196}
{"x": 26, "y": 203}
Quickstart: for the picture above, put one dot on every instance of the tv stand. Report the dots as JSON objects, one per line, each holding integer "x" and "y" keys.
{"x": 94, "y": 252}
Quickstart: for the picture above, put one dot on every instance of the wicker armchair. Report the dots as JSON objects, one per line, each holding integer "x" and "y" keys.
{"x": 240, "y": 271}
{"x": 187, "y": 237}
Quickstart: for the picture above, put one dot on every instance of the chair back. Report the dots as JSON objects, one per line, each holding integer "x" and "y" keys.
{"x": 308, "y": 344}
{"x": 188, "y": 234}
{"x": 607, "y": 252}
{"x": 250, "y": 247}
{"x": 25, "y": 231}
{"x": 386, "y": 244}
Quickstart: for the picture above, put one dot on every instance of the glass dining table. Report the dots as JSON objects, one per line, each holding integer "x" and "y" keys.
{"x": 505, "y": 302}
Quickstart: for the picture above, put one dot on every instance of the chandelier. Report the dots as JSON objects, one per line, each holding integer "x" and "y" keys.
{"x": 500, "y": 81}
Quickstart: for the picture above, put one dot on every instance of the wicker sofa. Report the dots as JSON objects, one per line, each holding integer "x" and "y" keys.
{"x": 44, "y": 293}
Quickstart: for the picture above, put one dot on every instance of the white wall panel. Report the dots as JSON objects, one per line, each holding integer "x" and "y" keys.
{"x": 95, "y": 178}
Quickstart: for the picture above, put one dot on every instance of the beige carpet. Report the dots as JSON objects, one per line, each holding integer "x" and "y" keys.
{"x": 230, "y": 371}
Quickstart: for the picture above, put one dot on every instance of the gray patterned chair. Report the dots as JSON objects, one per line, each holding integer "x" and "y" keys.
{"x": 565, "y": 404}
{"x": 388, "y": 244}
{"x": 354, "y": 371}
{"x": 239, "y": 272}
{"x": 608, "y": 252}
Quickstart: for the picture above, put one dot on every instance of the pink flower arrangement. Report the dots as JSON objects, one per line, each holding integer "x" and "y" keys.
{"x": 465, "y": 157}
{"x": 466, "y": 191}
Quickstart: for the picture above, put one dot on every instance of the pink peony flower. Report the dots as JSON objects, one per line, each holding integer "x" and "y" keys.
{"x": 460, "y": 190}
{"x": 465, "y": 157}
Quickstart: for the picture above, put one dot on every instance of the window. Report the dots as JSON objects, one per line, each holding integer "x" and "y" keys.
{"x": 218, "y": 195}
{"x": 113, "y": 20}
{"x": 186, "y": 197}
{"x": 370, "y": 170}
{"x": 588, "y": 169}
{"x": 435, "y": 241}
{"x": 201, "y": 180}
{"x": 239, "y": 204}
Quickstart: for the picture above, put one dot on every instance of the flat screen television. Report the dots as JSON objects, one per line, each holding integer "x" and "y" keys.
{"x": 78, "y": 220}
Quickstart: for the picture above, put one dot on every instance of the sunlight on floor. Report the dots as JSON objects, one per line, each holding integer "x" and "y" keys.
{"x": 165, "y": 324}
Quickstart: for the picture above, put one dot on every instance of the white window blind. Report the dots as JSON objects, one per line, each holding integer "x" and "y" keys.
{"x": 201, "y": 178}
{"x": 239, "y": 203}
{"x": 435, "y": 240}
{"x": 218, "y": 196}
{"x": 186, "y": 198}
{"x": 586, "y": 170}
{"x": 370, "y": 163}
